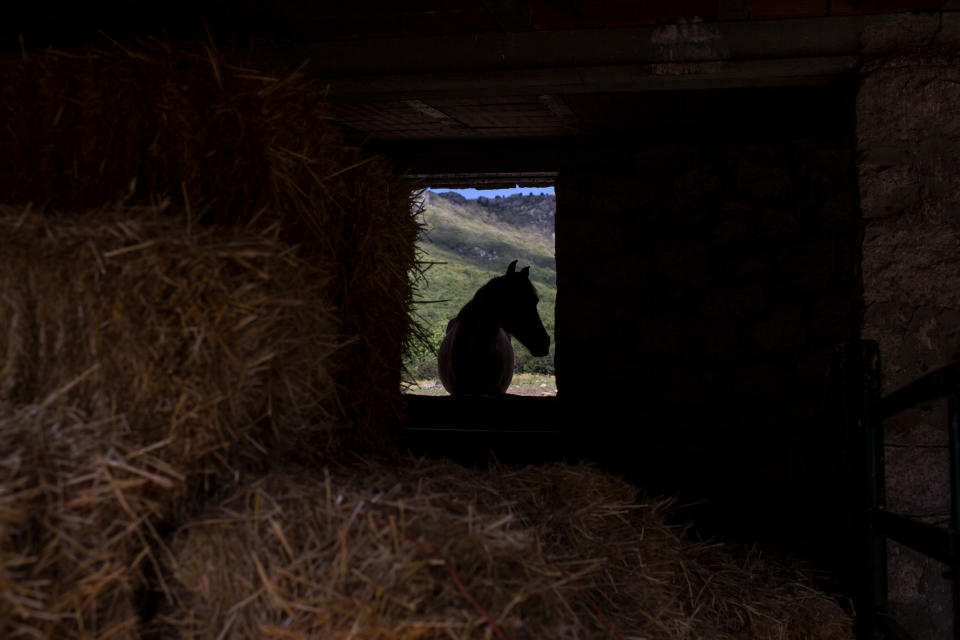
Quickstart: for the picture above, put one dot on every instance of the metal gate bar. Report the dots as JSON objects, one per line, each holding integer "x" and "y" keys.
{"x": 866, "y": 427}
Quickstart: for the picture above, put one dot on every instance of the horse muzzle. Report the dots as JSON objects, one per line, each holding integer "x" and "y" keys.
{"x": 541, "y": 346}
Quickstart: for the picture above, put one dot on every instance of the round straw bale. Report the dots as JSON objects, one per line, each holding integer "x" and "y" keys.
{"x": 432, "y": 550}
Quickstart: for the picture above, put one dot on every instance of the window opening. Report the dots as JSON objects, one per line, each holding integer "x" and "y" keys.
{"x": 470, "y": 236}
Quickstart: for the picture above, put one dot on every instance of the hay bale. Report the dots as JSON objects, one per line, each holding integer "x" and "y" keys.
{"x": 140, "y": 358}
{"x": 80, "y": 503}
{"x": 206, "y": 337}
{"x": 224, "y": 145}
{"x": 434, "y": 550}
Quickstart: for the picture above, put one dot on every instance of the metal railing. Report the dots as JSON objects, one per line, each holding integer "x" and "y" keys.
{"x": 866, "y": 412}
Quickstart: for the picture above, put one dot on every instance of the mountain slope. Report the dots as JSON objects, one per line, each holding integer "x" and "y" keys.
{"x": 474, "y": 240}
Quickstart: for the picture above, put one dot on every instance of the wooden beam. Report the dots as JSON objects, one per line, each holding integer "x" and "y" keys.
{"x": 758, "y": 114}
{"x": 441, "y": 118}
{"x": 733, "y": 10}
{"x": 692, "y": 42}
{"x": 488, "y": 180}
{"x": 538, "y": 161}
{"x": 510, "y": 15}
{"x": 560, "y": 109}
{"x": 601, "y": 79}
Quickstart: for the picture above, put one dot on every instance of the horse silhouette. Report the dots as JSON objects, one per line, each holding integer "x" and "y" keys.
{"x": 475, "y": 355}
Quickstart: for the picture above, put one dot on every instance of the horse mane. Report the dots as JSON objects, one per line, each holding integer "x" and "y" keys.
{"x": 486, "y": 289}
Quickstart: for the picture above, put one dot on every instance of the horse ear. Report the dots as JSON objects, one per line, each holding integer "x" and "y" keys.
{"x": 525, "y": 271}
{"x": 512, "y": 268}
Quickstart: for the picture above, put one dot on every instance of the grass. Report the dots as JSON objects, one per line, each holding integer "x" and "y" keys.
{"x": 523, "y": 384}
{"x": 464, "y": 229}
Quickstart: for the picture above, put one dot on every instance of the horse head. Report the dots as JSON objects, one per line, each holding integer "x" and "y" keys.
{"x": 518, "y": 312}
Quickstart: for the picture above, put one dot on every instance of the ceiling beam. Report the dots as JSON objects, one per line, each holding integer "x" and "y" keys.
{"x": 733, "y": 10}
{"x": 665, "y": 43}
{"x": 485, "y": 180}
{"x": 563, "y": 112}
{"x": 600, "y": 79}
{"x": 441, "y": 118}
{"x": 510, "y": 15}
{"x": 536, "y": 161}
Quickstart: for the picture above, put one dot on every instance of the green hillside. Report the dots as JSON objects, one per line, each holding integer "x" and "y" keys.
{"x": 472, "y": 241}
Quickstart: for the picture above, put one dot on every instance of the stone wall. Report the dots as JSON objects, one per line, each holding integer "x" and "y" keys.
{"x": 908, "y": 131}
{"x": 702, "y": 287}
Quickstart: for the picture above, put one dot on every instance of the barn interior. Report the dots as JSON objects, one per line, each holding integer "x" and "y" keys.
{"x": 742, "y": 186}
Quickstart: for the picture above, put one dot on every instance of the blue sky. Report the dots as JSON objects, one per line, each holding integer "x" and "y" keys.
{"x": 471, "y": 194}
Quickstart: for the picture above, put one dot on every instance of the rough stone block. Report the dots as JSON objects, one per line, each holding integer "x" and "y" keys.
{"x": 685, "y": 264}
{"x": 754, "y": 269}
{"x": 885, "y": 323}
{"x": 720, "y": 341}
{"x": 908, "y": 130}
{"x": 759, "y": 380}
{"x": 888, "y": 190}
{"x": 922, "y": 427}
{"x": 591, "y": 237}
{"x": 808, "y": 266}
{"x": 760, "y": 180}
{"x": 653, "y": 331}
{"x": 939, "y": 169}
{"x": 837, "y": 213}
{"x": 932, "y": 339}
{"x": 913, "y": 261}
{"x": 832, "y": 318}
{"x": 695, "y": 185}
{"x": 743, "y": 302}
{"x": 694, "y": 269}
{"x": 847, "y": 276}
{"x": 766, "y": 153}
{"x": 812, "y": 367}
{"x": 727, "y": 231}
{"x": 782, "y": 330}
{"x": 898, "y": 33}
{"x": 656, "y": 159}
{"x": 634, "y": 266}
{"x": 689, "y": 386}
{"x": 917, "y": 480}
{"x": 919, "y": 594}
{"x": 837, "y": 162}
{"x": 777, "y": 222}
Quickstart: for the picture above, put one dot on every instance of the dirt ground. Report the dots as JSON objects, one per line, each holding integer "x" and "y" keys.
{"x": 524, "y": 384}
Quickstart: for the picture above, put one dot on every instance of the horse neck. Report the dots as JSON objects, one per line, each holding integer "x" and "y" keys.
{"x": 481, "y": 315}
